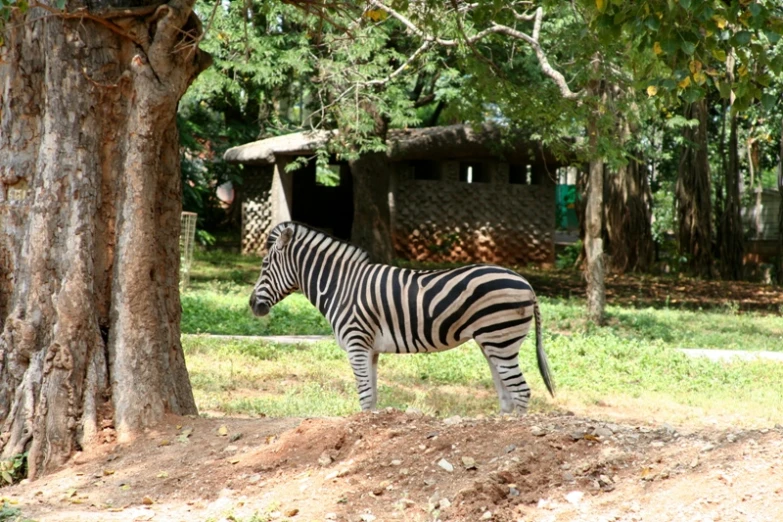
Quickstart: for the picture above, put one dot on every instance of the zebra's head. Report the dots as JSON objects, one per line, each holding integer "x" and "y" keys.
{"x": 277, "y": 278}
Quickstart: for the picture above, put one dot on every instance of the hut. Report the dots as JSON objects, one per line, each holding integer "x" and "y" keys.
{"x": 455, "y": 194}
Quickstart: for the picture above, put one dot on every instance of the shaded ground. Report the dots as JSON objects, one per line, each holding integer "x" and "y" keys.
{"x": 392, "y": 465}
{"x": 659, "y": 291}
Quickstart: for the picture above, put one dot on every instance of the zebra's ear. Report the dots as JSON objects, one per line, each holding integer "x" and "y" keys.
{"x": 284, "y": 238}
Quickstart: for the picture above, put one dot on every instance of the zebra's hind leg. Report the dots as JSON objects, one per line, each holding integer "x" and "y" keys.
{"x": 361, "y": 360}
{"x": 506, "y": 363}
{"x": 506, "y": 406}
{"x": 374, "y": 380}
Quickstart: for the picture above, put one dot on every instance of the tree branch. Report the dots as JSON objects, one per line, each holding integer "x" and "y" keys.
{"x": 402, "y": 67}
{"x": 494, "y": 28}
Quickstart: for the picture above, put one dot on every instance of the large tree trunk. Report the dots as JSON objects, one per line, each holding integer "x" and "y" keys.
{"x": 731, "y": 236}
{"x": 628, "y": 214}
{"x": 90, "y": 200}
{"x": 594, "y": 246}
{"x": 371, "y": 217}
{"x": 693, "y": 195}
{"x": 780, "y": 211}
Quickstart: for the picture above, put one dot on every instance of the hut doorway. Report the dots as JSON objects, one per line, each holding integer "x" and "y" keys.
{"x": 323, "y": 198}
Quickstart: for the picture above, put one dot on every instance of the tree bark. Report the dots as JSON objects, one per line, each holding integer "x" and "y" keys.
{"x": 779, "y": 270}
{"x": 731, "y": 237}
{"x": 693, "y": 195}
{"x": 90, "y": 202}
{"x": 594, "y": 243}
{"x": 628, "y": 215}
{"x": 371, "y": 229}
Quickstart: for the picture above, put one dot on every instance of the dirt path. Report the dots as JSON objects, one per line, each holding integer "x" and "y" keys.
{"x": 392, "y": 465}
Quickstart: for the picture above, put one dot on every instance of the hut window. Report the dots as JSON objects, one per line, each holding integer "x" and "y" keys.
{"x": 522, "y": 175}
{"x": 473, "y": 173}
{"x": 327, "y": 176}
{"x": 425, "y": 170}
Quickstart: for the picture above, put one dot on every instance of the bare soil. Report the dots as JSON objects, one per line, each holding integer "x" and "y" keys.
{"x": 393, "y": 465}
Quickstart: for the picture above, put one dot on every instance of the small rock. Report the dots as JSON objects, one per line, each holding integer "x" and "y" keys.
{"x": 731, "y": 437}
{"x": 331, "y": 516}
{"x": 413, "y": 411}
{"x": 657, "y": 443}
{"x": 429, "y": 481}
{"x": 325, "y": 459}
{"x": 377, "y": 491}
{"x": 469, "y": 463}
{"x": 544, "y": 503}
{"x": 291, "y": 512}
{"x": 235, "y": 437}
{"x": 487, "y": 515}
{"x": 396, "y": 462}
{"x": 513, "y": 492}
{"x": 708, "y": 447}
{"x": 230, "y": 448}
{"x": 445, "y": 464}
{"x": 367, "y": 517}
{"x": 577, "y": 435}
{"x": 432, "y": 434}
{"x": 510, "y": 448}
{"x": 604, "y": 433}
{"x": 444, "y": 503}
{"x": 694, "y": 462}
{"x": 422, "y": 447}
{"x": 604, "y": 480}
{"x": 574, "y": 497}
{"x": 568, "y": 477}
{"x": 452, "y": 421}
{"x": 537, "y": 431}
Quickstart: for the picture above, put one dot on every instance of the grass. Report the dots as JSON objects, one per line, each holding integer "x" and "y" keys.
{"x": 630, "y": 367}
{"x": 258, "y": 378}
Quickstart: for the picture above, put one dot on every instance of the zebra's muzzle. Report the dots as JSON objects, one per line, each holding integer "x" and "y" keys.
{"x": 259, "y": 308}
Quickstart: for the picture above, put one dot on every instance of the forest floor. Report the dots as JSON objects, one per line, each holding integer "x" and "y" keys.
{"x": 393, "y": 465}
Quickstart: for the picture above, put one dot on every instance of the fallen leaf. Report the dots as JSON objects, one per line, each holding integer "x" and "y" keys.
{"x": 147, "y": 501}
{"x": 223, "y": 430}
{"x": 162, "y": 474}
{"x": 107, "y": 472}
{"x": 234, "y": 460}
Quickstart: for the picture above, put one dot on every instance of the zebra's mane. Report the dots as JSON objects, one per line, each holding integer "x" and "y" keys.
{"x": 351, "y": 248}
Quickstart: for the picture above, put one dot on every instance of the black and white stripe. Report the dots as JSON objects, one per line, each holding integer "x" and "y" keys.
{"x": 377, "y": 308}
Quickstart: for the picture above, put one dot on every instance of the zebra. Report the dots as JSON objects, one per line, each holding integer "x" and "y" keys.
{"x": 377, "y": 308}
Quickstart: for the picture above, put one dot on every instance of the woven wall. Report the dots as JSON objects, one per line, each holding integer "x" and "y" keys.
{"x": 256, "y": 209}
{"x": 453, "y": 221}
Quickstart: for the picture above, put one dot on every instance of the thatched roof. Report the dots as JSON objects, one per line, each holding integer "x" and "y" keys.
{"x": 263, "y": 152}
{"x": 451, "y": 141}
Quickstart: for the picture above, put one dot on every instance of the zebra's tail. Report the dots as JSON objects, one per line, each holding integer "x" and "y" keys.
{"x": 543, "y": 364}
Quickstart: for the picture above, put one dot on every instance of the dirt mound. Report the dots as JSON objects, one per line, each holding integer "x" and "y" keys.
{"x": 392, "y": 465}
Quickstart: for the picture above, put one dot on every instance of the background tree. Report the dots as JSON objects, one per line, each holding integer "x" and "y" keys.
{"x": 90, "y": 201}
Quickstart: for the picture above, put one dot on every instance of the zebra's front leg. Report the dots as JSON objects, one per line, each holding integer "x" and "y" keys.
{"x": 361, "y": 360}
